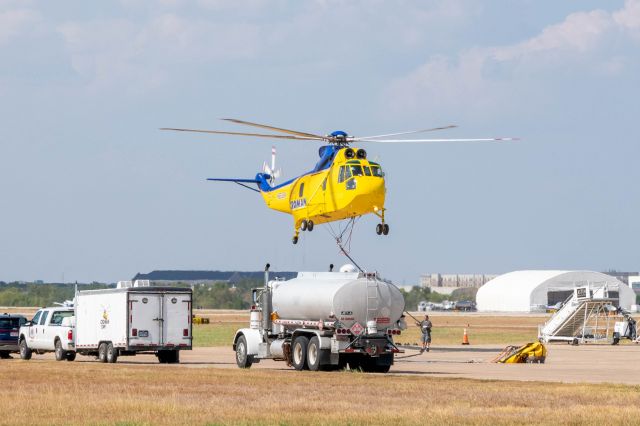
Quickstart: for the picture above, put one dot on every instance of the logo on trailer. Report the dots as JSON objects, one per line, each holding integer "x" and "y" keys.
{"x": 104, "y": 321}
{"x": 357, "y": 329}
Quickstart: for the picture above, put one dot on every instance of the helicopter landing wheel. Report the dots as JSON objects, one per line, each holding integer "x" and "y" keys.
{"x": 294, "y": 240}
{"x": 304, "y": 225}
{"x": 379, "y": 229}
{"x": 310, "y": 226}
{"x": 385, "y": 229}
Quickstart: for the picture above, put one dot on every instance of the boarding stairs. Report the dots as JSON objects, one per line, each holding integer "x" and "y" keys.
{"x": 583, "y": 317}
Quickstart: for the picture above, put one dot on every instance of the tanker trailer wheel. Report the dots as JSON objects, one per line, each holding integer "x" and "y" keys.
{"x": 299, "y": 353}
{"x": 242, "y": 359}
{"x": 355, "y": 363}
{"x": 71, "y": 356}
{"x": 314, "y": 354}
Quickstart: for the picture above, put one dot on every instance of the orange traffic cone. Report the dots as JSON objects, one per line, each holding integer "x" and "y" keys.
{"x": 465, "y": 338}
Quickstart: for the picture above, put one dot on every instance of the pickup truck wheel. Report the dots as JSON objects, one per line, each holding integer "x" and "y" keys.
{"x": 242, "y": 358}
{"x": 299, "y": 353}
{"x": 25, "y": 352}
{"x": 60, "y": 354}
{"x": 71, "y": 356}
{"x": 112, "y": 353}
{"x": 102, "y": 352}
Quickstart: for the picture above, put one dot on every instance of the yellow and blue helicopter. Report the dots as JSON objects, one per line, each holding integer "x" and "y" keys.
{"x": 344, "y": 184}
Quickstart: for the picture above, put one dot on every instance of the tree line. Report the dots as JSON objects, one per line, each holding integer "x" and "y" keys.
{"x": 221, "y": 295}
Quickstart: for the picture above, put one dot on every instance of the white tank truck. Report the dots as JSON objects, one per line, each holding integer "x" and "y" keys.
{"x": 324, "y": 321}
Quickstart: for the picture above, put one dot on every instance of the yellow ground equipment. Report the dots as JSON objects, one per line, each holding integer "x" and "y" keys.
{"x": 200, "y": 320}
{"x": 530, "y": 353}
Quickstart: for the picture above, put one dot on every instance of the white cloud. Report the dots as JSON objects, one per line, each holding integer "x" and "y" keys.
{"x": 629, "y": 17}
{"x": 123, "y": 53}
{"x": 14, "y": 22}
{"x": 584, "y": 42}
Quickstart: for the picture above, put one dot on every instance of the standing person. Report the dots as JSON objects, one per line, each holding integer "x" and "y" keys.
{"x": 425, "y": 328}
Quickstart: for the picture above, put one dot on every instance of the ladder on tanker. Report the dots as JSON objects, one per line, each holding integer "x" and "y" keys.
{"x": 583, "y": 317}
{"x": 372, "y": 299}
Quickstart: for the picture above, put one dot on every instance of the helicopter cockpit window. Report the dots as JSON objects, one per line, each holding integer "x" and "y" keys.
{"x": 356, "y": 170}
{"x": 341, "y": 175}
{"x": 347, "y": 172}
{"x": 301, "y": 193}
{"x": 367, "y": 171}
{"x": 377, "y": 171}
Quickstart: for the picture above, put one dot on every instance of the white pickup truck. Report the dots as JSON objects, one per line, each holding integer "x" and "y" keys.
{"x": 50, "y": 330}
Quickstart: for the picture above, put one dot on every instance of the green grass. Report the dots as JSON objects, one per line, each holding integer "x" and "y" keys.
{"x": 478, "y": 336}
{"x": 217, "y": 334}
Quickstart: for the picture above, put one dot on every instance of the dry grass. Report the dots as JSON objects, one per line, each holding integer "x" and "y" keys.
{"x": 91, "y": 393}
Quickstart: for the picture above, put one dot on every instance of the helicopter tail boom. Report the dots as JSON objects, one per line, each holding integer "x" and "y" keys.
{"x": 261, "y": 180}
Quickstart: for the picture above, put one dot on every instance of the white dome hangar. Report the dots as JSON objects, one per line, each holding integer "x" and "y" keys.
{"x": 533, "y": 291}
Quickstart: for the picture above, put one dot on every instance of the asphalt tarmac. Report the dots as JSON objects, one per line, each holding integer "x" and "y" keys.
{"x": 564, "y": 363}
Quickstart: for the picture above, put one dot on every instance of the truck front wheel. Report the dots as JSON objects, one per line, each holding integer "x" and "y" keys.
{"x": 242, "y": 358}
{"x": 25, "y": 352}
{"x": 299, "y": 353}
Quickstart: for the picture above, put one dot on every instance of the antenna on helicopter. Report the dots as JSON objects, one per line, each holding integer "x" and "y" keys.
{"x": 271, "y": 170}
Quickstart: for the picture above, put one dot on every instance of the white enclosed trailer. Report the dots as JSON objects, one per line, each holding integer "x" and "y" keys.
{"x": 126, "y": 321}
{"x": 323, "y": 321}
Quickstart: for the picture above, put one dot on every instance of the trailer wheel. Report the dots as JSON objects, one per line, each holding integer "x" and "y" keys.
{"x": 314, "y": 354}
{"x": 4, "y": 355}
{"x": 25, "y": 352}
{"x": 102, "y": 352}
{"x": 242, "y": 358}
{"x": 174, "y": 358}
{"x": 71, "y": 356}
{"x": 299, "y": 353}
{"x": 60, "y": 355}
{"x": 112, "y": 353}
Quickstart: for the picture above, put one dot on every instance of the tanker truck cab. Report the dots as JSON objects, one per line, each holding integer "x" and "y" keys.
{"x": 323, "y": 321}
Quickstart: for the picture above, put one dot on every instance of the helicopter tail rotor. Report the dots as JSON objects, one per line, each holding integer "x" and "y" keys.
{"x": 271, "y": 169}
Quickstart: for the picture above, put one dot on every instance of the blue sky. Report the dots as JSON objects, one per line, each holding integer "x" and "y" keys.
{"x": 92, "y": 190}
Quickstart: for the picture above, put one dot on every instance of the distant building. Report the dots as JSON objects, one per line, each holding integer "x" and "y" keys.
{"x": 206, "y": 277}
{"x": 621, "y": 276}
{"x": 634, "y": 282}
{"x": 533, "y": 291}
{"x": 447, "y": 283}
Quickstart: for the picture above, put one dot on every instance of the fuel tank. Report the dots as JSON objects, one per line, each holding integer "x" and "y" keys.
{"x": 349, "y": 297}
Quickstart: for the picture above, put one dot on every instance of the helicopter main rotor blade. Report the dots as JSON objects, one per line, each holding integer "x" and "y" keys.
{"x": 244, "y": 134}
{"x": 276, "y": 129}
{"x": 362, "y": 138}
{"x": 440, "y": 140}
